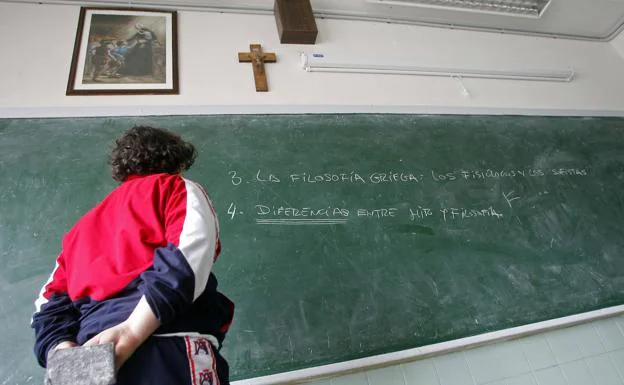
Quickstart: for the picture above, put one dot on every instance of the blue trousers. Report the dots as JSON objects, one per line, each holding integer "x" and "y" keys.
{"x": 175, "y": 361}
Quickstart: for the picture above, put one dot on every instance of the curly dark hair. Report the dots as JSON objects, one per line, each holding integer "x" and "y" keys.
{"x": 144, "y": 150}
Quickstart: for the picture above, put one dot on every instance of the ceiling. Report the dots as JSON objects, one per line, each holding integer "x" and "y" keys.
{"x": 599, "y": 20}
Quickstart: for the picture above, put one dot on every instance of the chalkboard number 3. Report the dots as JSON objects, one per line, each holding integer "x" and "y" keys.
{"x": 236, "y": 180}
{"x": 233, "y": 211}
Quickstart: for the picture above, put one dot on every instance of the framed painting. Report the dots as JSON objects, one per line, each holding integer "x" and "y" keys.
{"x": 124, "y": 51}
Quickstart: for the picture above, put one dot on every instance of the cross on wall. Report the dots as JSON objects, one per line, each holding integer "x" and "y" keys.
{"x": 258, "y": 58}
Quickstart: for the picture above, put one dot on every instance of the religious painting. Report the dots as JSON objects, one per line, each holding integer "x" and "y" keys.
{"x": 124, "y": 51}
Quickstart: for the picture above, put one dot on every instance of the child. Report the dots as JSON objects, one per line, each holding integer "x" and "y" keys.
{"x": 136, "y": 271}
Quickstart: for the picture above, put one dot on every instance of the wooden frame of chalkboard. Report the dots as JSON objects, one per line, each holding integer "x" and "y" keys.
{"x": 124, "y": 51}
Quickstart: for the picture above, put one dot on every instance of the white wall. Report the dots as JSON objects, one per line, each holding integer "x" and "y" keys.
{"x": 37, "y": 42}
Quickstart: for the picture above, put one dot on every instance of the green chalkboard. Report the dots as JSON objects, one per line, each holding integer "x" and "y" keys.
{"x": 347, "y": 236}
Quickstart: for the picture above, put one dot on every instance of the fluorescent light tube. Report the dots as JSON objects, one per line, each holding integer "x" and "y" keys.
{"x": 318, "y": 64}
{"x": 520, "y": 8}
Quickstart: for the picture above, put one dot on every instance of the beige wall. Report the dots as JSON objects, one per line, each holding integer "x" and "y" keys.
{"x": 37, "y": 43}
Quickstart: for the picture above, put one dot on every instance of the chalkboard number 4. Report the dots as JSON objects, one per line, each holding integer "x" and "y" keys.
{"x": 233, "y": 211}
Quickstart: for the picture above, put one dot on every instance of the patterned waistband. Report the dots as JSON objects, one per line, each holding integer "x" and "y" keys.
{"x": 213, "y": 340}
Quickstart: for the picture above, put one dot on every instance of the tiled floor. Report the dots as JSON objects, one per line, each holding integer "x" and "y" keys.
{"x": 587, "y": 354}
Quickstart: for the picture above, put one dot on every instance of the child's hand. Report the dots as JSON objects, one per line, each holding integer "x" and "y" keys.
{"x": 123, "y": 339}
{"x": 130, "y": 334}
{"x": 65, "y": 345}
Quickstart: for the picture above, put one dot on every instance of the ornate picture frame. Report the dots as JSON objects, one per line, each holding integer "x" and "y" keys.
{"x": 120, "y": 51}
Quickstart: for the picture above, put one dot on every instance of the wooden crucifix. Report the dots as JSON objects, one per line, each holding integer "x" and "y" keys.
{"x": 257, "y": 58}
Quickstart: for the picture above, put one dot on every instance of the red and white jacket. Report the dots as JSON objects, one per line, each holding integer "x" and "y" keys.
{"x": 155, "y": 235}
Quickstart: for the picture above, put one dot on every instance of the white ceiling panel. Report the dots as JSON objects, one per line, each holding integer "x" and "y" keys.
{"x": 582, "y": 19}
{"x": 574, "y": 19}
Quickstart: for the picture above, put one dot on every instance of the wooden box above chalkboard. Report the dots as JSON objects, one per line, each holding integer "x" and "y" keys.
{"x": 295, "y": 22}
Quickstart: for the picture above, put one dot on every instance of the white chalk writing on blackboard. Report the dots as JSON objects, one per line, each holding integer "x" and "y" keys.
{"x": 405, "y": 177}
{"x": 329, "y": 215}
{"x": 280, "y": 214}
{"x": 454, "y": 213}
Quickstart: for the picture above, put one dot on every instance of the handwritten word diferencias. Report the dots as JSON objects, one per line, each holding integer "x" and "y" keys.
{"x": 374, "y": 178}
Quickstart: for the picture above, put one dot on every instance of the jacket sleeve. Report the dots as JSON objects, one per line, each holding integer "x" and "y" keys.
{"x": 181, "y": 269}
{"x": 55, "y": 318}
